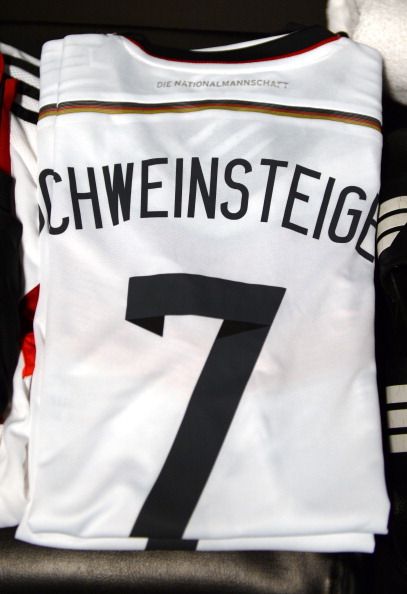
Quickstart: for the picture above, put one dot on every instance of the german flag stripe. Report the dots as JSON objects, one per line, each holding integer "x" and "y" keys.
{"x": 108, "y": 107}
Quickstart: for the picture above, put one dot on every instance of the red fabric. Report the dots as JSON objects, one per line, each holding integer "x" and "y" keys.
{"x": 29, "y": 305}
{"x": 9, "y": 93}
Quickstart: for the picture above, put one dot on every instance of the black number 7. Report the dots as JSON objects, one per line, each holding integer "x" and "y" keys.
{"x": 248, "y": 311}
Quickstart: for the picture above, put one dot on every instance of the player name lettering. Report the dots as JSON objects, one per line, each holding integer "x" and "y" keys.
{"x": 300, "y": 199}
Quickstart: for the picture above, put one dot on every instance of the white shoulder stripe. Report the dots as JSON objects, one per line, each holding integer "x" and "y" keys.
{"x": 25, "y": 76}
{"x": 396, "y": 394}
{"x": 392, "y": 205}
{"x": 389, "y": 224}
{"x": 17, "y": 53}
{"x": 385, "y": 242}
{"x": 391, "y": 221}
{"x": 29, "y": 103}
{"x": 397, "y": 418}
{"x": 398, "y": 444}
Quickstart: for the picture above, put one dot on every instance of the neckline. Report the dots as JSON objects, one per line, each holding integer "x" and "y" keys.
{"x": 264, "y": 49}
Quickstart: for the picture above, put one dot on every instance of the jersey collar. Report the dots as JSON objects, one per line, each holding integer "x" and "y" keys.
{"x": 290, "y": 44}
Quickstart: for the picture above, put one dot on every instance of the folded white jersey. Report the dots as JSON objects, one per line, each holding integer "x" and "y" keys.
{"x": 23, "y": 153}
{"x": 205, "y": 373}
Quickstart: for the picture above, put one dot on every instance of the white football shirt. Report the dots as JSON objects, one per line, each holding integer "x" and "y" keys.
{"x": 205, "y": 373}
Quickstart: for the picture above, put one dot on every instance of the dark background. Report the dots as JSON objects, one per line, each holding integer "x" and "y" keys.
{"x": 180, "y": 23}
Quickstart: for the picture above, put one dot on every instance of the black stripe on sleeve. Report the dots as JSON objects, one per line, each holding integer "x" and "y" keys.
{"x": 24, "y": 114}
{"x": 23, "y": 64}
{"x": 28, "y": 90}
{"x": 396, "y": 406}
{"x": 398, "y": 431}
{"x": 389, "y": 231}
{"x": 391, "y": 213}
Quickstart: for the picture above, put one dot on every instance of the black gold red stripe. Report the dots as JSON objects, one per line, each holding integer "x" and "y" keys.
{"x": 112, "y": 108}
